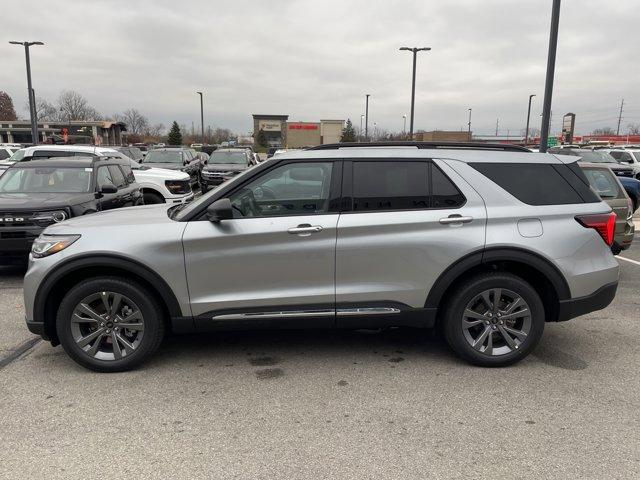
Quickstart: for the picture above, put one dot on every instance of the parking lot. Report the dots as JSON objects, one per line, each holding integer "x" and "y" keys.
{"x": 392, "y": 404}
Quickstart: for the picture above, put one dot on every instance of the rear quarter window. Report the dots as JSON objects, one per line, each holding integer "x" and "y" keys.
{"x": 603, "y": 182}
{"x": 539, "y": 183}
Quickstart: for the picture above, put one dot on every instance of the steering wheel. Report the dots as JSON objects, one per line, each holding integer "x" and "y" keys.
{"x": 249, "y": 204}
{"x": 264, "y": 193}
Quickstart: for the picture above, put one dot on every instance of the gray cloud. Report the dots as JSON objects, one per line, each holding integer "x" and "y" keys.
{"x": 315, "y": 60}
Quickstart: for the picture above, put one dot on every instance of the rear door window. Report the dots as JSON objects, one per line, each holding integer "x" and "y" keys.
{"x": 117, "y": 176}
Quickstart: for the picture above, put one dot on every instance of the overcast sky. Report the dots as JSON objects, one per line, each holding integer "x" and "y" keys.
{"x": 316, "y": 59}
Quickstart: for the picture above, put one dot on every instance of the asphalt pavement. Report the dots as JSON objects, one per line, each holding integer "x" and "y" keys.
{"x": 305, "y": 405}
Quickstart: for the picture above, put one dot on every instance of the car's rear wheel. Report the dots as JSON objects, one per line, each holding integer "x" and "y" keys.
{"x": 151, "y": 198}
{"x": 109, "y": 324}
{"x": 494, "y": 319}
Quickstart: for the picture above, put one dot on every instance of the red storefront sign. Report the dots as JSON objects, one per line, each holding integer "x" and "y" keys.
{"x": 302, "y": 126}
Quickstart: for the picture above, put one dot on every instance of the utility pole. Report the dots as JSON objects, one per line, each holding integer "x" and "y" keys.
{"x": 366, "y": 119}
{"x": 551, "y": 66}
{"x": 415, "y": 51}
{"x": 31, "y": 95}
{"x": 526, "y": 135}
{"x": 469, "y": 125}
{"x": 497, "y": 124}
{"x": 620, "y": 117}
{"x": 201, "y": 117}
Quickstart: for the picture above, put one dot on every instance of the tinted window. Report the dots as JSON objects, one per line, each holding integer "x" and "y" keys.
{"x": 104, "y": 177}
{"x": 51, "y": 153}
{"x": 444, "y": 194}
{"x": 128, "y": 173}
{"x": 118, "y": 177}
{"x": 294, "y": 189}
{"x": 391, "y": 185}
{"x": 531, "y": 183}
{"x": 163, "y": 156}
{"x": 4, "y": 154}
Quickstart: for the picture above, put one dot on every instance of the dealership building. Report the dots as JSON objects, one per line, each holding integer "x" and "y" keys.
{"x": 94, "y": 133}
{"x": 279, "y": 132}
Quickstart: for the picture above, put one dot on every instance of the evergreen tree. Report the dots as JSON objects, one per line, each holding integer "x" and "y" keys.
{"x": 348, "y": 133}
{"x": 7, "y": 112}
{"x": 261, "y": 139}
{"x": 175, "y": 137}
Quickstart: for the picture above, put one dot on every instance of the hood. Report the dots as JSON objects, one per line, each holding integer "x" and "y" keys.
{"x": 159, "y": 166}
{"x": 41, "y": 201}
{"x": 225, "y": 167}
{"x": 160, "y": 173}
{"x": 121, "y": 217}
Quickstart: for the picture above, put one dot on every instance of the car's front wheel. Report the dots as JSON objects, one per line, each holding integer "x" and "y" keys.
{"x": 109, "y": 324}
{"x": 494, "y": 319}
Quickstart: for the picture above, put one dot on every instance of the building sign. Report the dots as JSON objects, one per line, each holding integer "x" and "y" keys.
{"x": 270, "y": 125}
{"x": 568, "y": 126}
{"x": 302, "y": 126}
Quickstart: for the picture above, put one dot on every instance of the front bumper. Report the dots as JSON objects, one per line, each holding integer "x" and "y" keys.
{"x": 180, "y": 199}
{"x": 574, "y": 307}
{"x": 15, "y": 242}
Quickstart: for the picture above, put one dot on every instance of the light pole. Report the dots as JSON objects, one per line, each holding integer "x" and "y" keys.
{"x": 366, "y": 118}
{"x": 551, "y": 66}
{"x": 201, "y": 117}
{"x": 469, "y": 125}
{"x": 32, "y": 100}
{"x": 415, "y": 51}
{"x": 360, "y": 134}
{"x": 404, "y": 125}
{"x": 375, "y": 131}
{"x": 526, "y": 135}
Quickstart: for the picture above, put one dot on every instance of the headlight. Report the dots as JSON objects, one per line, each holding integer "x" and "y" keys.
{"x": 178, "y": 187}
{"x": 47, "y": 218}
{"x": 46, "y": 245}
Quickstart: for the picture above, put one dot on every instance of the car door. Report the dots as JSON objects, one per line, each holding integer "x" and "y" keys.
{"x": 275, "y": 260}
{"x": 407, "y": 221}
{"x": 108, "y": 200}
{"x": 125, "y": 192}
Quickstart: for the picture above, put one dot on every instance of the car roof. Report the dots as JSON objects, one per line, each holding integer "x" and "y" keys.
{"x": 468, "y": 155}
{"x": 231, "y": 149}
{"x": 61, "y": 162}
{"x": 70, "y": 148}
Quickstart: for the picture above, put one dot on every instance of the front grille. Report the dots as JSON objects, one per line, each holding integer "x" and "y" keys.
{"x": 624, "y": 173}
{"x": 13, "y": 219}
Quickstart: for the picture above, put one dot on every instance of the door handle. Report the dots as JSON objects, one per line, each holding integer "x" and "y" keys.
{"x": 455, "y": 219}
{"x": 305, "y": 229}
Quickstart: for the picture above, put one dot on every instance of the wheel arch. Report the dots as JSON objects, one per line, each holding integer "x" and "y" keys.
{"x": 57, "y": 282}
{"x": 543, "y": 276}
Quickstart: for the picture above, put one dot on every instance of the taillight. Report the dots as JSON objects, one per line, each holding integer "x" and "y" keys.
{"x": 604, "y": 224}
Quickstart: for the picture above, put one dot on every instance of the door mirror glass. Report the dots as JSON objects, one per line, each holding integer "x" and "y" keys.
{"x": 220, "y": 210}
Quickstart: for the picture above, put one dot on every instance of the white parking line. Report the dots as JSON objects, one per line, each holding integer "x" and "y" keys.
{"x": 628, "y": 260}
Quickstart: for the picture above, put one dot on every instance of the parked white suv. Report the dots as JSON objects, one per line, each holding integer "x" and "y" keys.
{"x": 630, "y": 156}
{"x": 158, "y": 185}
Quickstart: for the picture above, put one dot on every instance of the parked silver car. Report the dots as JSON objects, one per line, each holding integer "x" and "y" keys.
{"x": 488, "y": 242}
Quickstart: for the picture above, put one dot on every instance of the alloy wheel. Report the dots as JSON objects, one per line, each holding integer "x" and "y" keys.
{"x": 496, "y": 322}
{"x": 107, "y": 326}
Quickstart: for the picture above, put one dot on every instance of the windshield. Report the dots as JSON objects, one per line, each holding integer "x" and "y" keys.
{"x": 228, "y": 157}
{"x": 595, "y": 156}
{"x": 163, "y": 156}
{"x": 16, "y": 157}
{"x": 46, "y": 180}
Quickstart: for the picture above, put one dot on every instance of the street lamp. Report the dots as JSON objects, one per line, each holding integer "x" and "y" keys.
{"x": 526, "y": 134}
{"x": 415, "y": 51}
{"x": 32, "y": 100}
{"x": 366, "y": 118}
{"x": 201, "y": 118}
{"x": 404, "y": 125}
{"x": 469, "y": 125}
{"x": 551, "y": 66}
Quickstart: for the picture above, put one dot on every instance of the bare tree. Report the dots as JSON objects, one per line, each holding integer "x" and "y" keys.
{"x": 137, "y": 123}
{"x": 634, "y": 128}
{"x": 604, "y": 131}
{"x": 155, "y": 130}
{"x": 45, "y": 110}
{"x": 7, "y": 112}
{"x": 74, "y": 106}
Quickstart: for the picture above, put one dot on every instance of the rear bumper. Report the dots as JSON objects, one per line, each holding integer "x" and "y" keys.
{"x": 574, "y": 307}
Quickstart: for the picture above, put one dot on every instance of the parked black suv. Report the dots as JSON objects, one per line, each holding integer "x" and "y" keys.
{"x": 182, "y": 159}
{"x": 223, "y": 164}
{"x": 39, "y": 193}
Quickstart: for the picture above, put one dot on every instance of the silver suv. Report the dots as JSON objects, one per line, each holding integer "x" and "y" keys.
{"x": 487, "y": 242}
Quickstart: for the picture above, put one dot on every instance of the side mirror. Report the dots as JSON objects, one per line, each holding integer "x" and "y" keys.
{"x": 220, "y": 210}
{"x": 108, "y": 188}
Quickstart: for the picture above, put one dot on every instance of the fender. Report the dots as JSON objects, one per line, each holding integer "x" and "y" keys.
{"x": 116, "y": 261}
{"x": 496, "y": 254}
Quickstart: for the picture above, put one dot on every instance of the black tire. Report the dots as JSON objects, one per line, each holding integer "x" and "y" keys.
{"x": 471, "y": 289}
{"x": 154, "y": 327}
{"x": 151, "y": 198}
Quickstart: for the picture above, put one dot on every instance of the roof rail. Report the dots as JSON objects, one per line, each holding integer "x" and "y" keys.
{"x": 427, "y": 145}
